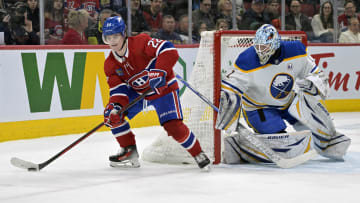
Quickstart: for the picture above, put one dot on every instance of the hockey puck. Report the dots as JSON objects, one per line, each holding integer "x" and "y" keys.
{"x": 32, "y": 169}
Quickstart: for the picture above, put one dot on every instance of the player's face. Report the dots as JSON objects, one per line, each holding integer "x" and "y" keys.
{"x": 115, "y": 41}
{"x": 262, "y": 48}
{"x": 264, "y": 52}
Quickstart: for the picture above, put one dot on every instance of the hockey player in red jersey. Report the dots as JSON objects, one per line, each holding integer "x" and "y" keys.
{"x": 135, "y": 65}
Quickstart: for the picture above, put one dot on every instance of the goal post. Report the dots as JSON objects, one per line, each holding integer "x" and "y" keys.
{"x": 217, "y": 53}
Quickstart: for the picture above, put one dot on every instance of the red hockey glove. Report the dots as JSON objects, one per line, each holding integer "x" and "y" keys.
{"x": 112, "y": 117}
{"x": 157, "y": 80}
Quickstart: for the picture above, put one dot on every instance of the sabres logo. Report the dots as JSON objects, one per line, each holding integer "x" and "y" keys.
{"x": 119, "y": 71}
{"x": 281, "y": 85}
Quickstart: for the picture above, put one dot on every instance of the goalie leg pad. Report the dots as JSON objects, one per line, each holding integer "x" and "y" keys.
{"x": 287, "y": 145}
{"x": 310, "y": 112}
{"x": 337, "y": 147}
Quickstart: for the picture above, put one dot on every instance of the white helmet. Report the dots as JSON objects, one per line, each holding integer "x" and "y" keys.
{"x": 266, "y": 42}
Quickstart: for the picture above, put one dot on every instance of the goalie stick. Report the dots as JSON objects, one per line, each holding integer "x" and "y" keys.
{"x": 271, "y": 154}
{"x": 37, "y": 167}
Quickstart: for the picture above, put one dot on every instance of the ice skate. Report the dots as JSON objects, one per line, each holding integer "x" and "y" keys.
{"x": 127, "y": 157}
{"x": 203, "y": 161}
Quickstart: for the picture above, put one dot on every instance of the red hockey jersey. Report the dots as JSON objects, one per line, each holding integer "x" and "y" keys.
{"x": 142, "y": 55}
{"x": 91, "y": 6}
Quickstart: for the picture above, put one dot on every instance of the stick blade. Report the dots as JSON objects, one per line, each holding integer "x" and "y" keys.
{"x": 24, "y": 164}
{"x": 290, "y": 163}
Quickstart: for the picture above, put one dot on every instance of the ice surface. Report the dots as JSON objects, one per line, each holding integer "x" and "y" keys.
{"x": 83, "y": 175}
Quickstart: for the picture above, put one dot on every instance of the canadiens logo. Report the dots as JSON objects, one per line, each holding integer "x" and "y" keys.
{"x": 89, "y": 6}
{"x": 139, "y": 81}
{"x": 119, "y": 71}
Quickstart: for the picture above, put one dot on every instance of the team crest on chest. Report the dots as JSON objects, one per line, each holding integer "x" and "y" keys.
{"x": 119, "y": 72}
{"x": 139, "y": 81}
{"x": 281, "y": 85}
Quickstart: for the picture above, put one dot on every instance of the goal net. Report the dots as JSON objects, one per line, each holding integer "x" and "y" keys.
{"x": 216, "y": 54}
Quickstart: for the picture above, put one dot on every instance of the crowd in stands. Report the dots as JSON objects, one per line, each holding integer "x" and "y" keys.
{"x": 80, "y": 21}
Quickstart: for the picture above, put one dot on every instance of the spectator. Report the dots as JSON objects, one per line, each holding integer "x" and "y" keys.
{"x": 91, "y": 6}
{"x": 295, "y": 20}
{"x": 225, "y": 12}
{"x": 33, "y": 15}
{"x": 153, "y": 15}
{"x": 183, "y": 29}
{"x": 138, "y": 22}
{"x": 78, "y": 22}
{"x": 323, "y": 23}
{"x": 5, "y": 27}
{"x": 198, "y": 29}
{"x": 254, "y": 17}
{"x": 239, "y": 7}
{"x": 9, "y": 3}
{"x": 54, "y": 21}
{"x": 175, "y": 8}
{"x": 114, "y": 5}
{"x": 272, "y": 10}
{"x": 203, "y": 14}
{"x": 350, "y": 11}
{"x": 222, "y": 24}
{"x": 94, "y": 33}
{"x": 352, "y": 35}
{"x": 21, "y": 28}
{"x": 168, "y": 30}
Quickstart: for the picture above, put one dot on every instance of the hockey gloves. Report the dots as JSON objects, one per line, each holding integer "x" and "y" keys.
{"x": 315, "y": 84}
{"x": 157, "y": 80}
{"x": 112, "y": 117}
{"x": 229, "y": 111}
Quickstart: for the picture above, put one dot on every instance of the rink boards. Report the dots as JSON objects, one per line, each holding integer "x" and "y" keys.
{"x": 58, "y": 90}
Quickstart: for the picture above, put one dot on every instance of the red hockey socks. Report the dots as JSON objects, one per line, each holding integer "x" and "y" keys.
{"x": 124, "y": 135}
{"x": 181, "y": 133}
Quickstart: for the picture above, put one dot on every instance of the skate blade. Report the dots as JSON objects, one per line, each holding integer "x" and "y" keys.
{"x": 128, "y": 164}
{"x": 206, "y": 168}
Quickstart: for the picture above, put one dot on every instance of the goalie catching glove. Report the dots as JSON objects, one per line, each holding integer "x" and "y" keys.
{"x": 157, "y": 80}
{"x": 314, "y": 84}
{"x": 112, "y": 117}
{"x": 229, "y": 111}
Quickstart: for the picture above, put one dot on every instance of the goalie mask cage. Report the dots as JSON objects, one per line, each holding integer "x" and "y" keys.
{"x": 217, "y": 53}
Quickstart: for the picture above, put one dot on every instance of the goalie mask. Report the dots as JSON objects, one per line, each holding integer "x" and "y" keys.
{"x": 113, "y": 27}
{"x": 266, "y": 42}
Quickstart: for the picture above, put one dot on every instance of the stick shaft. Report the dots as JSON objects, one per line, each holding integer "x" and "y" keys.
{"x": 206, "y": 100}
{"x": 127, "y": 107}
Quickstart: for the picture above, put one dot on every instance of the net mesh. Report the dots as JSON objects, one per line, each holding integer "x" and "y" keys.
{"x": 198, "y": 116}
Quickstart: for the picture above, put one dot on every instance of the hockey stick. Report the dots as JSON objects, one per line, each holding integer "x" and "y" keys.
{"x": 37, "y": 167}
{"x": 273, "y": 156}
